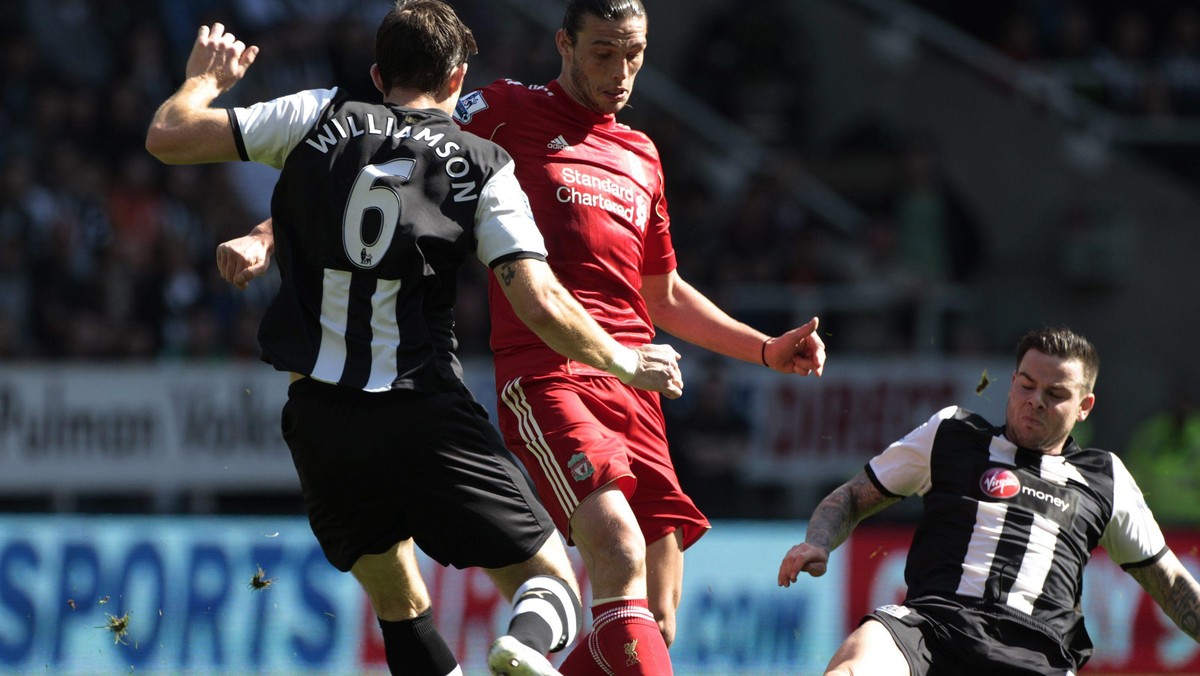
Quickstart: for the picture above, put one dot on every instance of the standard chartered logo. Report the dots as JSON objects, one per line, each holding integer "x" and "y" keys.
{"x": 602, "y": 192}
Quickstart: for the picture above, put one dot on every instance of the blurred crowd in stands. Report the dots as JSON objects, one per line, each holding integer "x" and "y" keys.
{"x": 107, "y": 254}
{"x": 1137, "y": 58}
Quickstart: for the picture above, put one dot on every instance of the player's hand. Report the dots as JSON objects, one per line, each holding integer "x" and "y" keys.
{"x": 241, "y": 260}
{"x": 219, "y": 55}
{"x": 802, "y": 558}
{"x": 800, "y": 351}
{"x": 658, "y": 370}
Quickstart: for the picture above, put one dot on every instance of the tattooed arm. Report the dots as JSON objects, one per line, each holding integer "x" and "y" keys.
{"x": 551, "y": 312}
{"x": 1174, "y": 589}
{"x": 830, "y": 525}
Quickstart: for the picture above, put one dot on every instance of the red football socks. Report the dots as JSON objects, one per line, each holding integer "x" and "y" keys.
{"x": 624, "y": 640}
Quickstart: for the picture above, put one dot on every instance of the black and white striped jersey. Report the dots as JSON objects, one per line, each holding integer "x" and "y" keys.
{"x": 375, "y": 209}
{"x": 1008, "y": 530}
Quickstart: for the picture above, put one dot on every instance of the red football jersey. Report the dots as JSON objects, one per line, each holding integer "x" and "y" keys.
{"x": 596, "y": 189}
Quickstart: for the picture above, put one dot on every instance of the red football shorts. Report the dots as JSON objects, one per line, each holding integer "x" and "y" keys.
{"x": 576, "y": 434}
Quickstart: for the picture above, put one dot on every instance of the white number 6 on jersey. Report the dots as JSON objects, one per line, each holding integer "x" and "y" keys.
{"x": 367, "y": 196}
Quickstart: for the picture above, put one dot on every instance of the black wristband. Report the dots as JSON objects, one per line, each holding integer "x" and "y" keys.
{"x": 764, "y": 353}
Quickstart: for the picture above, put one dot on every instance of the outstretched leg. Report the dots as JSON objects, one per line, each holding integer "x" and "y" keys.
{"x": 870, "y": 649}
{"x": 625, "y": 638}
{"x": 664, "y": 581}
{"x": 401, "y": 601}
{"x": 546, "y": 611}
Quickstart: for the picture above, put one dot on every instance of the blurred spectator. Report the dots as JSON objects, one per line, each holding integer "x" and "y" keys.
{"x": 1180, "y": 60}
{"x": 19, "y": 200}
{"x": 295, "y": 57}
{"x": 760, "y": 64}
{"x": 137, "y": 208}
{"x": 179, "y": 22}
{"x": 1164, "y": 454}
{"x": 1094, "y": 248}
{"x": 204, "y": 338}
{"x": 938, "y": 237}
{"x": 1019, "y": 38}
{"x": 914, "y": 264}
{"x": 885, "y": 326}
{"x": 351, "y": 67}
{"x": 23, "y": 77}
{"x": 1135, "y": 58}
{"x": 67, "y": 38}
{"x": 145, "y": 63}
{"x": 81, "y": 231}
{"x": 696, "y": 219}
{"x": 10, "y": 343}
{"x": 1158, "y": 99}
{"x": 185, "y": 311}
{"x": 1124, "y": 62}
{"x": 749, "y": 244}
{"x": 1076, "y": 33}
{"x": 709, "y": 434}
{"x": 243, "y": 340}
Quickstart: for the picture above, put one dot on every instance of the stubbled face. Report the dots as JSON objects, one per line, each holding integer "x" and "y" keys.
{"x": 1048, "y": 395}
{"x": 599, "y": 68}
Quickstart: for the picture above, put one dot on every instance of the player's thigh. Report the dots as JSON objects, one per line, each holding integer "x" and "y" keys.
{"x": 568, "y": 433}
{"x": 869, "y": 649}
{"x": 392, "y": 581}
{"x": 464, "y": 497}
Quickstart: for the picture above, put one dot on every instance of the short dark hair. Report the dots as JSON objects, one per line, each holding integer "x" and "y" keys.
{"x": 607, "y": 10}
{"x": 419, "y": 42}
{"x": 1063, "y": 343}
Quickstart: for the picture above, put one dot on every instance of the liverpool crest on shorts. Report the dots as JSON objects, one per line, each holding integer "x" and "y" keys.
{"x": 581, "y": 468}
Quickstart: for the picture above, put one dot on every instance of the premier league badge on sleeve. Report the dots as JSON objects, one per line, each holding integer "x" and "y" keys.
{"x": 469, "y": 105}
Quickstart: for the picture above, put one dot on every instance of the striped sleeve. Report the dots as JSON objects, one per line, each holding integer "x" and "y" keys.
{"x": 1132, "y": 537}
{"x": 902, "y": 469}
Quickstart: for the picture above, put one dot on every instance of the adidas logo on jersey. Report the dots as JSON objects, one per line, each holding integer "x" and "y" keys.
{"x": 559, "y": 143}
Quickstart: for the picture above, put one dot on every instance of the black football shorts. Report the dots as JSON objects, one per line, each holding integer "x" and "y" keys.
{"x": 378, "y": 468}
{"x": 945, "y": 641}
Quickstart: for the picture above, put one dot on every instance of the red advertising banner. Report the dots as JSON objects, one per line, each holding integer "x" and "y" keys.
{"x": 1131, "y": 634}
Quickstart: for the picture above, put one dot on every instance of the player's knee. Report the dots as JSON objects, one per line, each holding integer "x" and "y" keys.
{"x": 624, "y": 558}
{"x": 608, "y": 538}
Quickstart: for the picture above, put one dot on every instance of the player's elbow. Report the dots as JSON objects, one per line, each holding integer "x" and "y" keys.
{"x": 165, "y": 146}
{"x": 158, "y": 144}
{"x": 537, "y": 313}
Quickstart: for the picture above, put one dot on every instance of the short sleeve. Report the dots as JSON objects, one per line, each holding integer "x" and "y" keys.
{"x": 1132, "y": 536}
{"x": 659, "y": 251}
{"x": 504, "y": 223}
{"x": 902, "y": 469}
{"x": 268, "y": 131}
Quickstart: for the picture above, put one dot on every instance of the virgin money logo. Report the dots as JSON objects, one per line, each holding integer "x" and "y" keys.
{"x": 1000, "y": 483}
